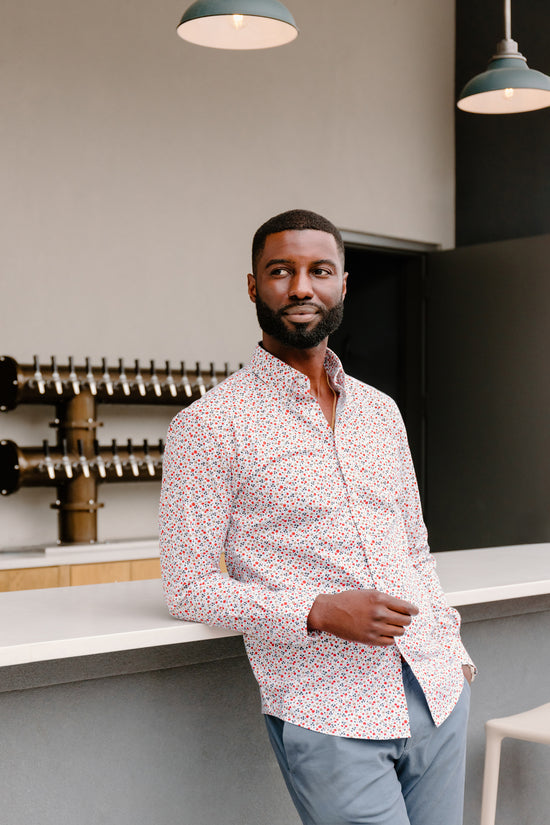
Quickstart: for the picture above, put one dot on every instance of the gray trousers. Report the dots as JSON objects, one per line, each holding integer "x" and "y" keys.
{"x": 335, "y": 780}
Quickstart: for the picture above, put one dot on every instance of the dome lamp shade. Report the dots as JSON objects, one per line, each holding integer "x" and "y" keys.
{"x": 237, "y": 24}
{"x": 508, "y": 85}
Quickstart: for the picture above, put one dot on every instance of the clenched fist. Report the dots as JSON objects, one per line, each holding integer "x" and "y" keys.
{"x": 366, "y": 616}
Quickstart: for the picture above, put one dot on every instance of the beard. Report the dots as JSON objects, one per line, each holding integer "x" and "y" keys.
{"x": 298, "y": 335}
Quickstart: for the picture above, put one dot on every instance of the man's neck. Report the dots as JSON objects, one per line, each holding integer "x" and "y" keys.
{"x": 309, "y": 361}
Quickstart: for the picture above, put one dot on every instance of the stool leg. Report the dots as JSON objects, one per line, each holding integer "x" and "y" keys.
{"x": 490, "y": 777}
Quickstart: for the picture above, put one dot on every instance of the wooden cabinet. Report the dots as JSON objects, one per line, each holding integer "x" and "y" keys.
{"x": 34, "y": 578}
{"x": 31, "y": 578}
{"x": 145, "y": 569}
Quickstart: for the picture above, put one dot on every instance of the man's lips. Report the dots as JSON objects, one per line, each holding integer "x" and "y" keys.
{"x": 301, "y": 314}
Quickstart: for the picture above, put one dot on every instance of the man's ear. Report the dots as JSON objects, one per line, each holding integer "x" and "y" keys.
{"x": 344, "y": 284}
{"x": 251, "y": 287}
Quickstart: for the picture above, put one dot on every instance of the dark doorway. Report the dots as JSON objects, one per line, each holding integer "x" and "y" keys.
{"x": 381, "y": 339}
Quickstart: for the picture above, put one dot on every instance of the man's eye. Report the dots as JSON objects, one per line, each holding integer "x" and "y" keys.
{"x": 321, "y": 273}
{"x": 279, "y": 273}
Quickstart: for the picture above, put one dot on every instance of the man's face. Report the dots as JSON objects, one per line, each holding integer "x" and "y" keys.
{"x": 299, "y": 287}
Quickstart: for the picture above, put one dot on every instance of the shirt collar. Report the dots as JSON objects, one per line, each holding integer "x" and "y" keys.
{"x": 269, "y": 368}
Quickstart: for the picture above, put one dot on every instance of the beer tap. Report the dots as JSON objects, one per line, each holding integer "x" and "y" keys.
{"x": 65, "y": 460}
{"x": 213, "y": 380}
{"x": 99, "y": 463}
{"x": 73, "y": 378}
{"x": 50, "y": 467}
{"x": 116, "y": 459}
{"x": 75, "y": 462}
{"x": 38, "y": 377}
{"x": 56, "y": 378}
{"x": 171, "y": 384}
{"x": 90, "y": 378}
{"x": 82, "y": 460}
{"x": 148, "y": 460}
{"x": 185, "y": 381}
{"x": 200, "y": 383}
{"x": 132, "y": 459}
{"x": 139, "y": 380}
{"x": 106, "y": 377}
{"x": 227, "y": 371}
{"x": 122, "y": 377}
{"x": 155, "y": 381}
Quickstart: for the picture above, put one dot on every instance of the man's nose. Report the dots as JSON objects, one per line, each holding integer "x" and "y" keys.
{"x": 300, "y": 285}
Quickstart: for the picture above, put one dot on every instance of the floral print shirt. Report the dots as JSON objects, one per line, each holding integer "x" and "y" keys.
{"x": 254, "y": 470}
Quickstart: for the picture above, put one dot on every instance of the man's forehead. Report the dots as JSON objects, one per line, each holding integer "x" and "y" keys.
{"x": 312, "y": 243}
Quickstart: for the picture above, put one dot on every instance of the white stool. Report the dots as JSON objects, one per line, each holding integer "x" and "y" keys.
{"x": 532, "y": 726}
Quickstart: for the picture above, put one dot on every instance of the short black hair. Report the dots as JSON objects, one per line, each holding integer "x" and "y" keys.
{"x": 293, "y": 219}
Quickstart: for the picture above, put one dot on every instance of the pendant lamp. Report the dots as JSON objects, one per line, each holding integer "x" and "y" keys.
{"x": 508, "y": 85}
{"x": 237, "y": 24}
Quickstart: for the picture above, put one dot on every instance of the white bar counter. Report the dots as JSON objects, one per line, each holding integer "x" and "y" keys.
{"x": 41, "y": 625}
{"x": 55, "y": 555}
{"x": 113, "y": 711}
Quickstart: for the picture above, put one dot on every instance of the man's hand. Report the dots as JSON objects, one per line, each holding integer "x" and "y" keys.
{"x": 466, "y": 669}
{"x": 366, "y": 616}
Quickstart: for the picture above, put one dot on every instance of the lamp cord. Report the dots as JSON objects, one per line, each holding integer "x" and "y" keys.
{"x": 507, "y": 19}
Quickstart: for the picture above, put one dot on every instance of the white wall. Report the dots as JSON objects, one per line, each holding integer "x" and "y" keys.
{"x": 135, "y": 169}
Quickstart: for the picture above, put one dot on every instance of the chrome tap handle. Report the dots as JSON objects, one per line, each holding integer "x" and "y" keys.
{"x": 56, "y": 378}
{"x": 106, "y": 377}
{"x": 65, "y": 460}
{"x": 123, "y": 380}
{"x": 170, "y": 383}
{"x": 155, "y": 381}
{"x": 73, "y": 377}
{"x": 142, "y": 389}
{"x": 186, "y": 384}
{"x": 200, "y": 382}
{"x": 38, "y": 377}
{"x": 99, "y": 463}
{"x": 148, "y": 460}
{"x": 134, "y": 466}
{"x": 90, "y": 378}
{"x": 50, "y": 468}
{"x": 116, "y": 459}
{"x": 82, "y": 460}
{"x": 213, "y": 380}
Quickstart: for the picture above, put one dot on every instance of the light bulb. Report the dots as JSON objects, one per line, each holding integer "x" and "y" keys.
{"x": 237, "y": 21}
{"x": 508, "y": 93}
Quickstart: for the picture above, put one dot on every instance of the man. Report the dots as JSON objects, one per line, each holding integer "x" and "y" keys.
{"x": 303, "y": 477}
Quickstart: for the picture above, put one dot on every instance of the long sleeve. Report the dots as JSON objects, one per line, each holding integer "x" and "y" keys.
{"x": 198, "y": 490}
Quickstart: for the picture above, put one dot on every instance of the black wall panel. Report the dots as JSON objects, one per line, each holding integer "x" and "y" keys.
{"x": 488, "y": 395}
